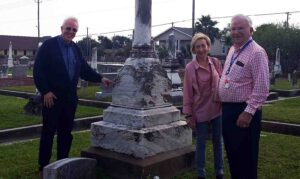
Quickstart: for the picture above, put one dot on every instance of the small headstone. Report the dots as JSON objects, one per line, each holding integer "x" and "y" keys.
{"x": 175, "y": 79}
{"x": 295, "y": 79}
{"x": 19, "y": 71}
{"x": 75, "y": 168}
{"x": 174, "y": 96}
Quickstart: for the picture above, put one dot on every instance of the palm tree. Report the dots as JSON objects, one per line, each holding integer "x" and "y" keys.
{"x": 207, "y": 26}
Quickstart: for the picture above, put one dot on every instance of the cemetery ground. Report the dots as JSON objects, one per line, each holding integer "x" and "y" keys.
{"x": 278, "y": 158}
{"x": 12, "y": 113}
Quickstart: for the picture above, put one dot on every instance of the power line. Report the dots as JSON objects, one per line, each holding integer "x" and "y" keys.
{"x": 180, "y": 21}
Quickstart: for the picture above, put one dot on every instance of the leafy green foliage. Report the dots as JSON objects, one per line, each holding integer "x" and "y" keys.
{"x": 273, "y": 36}
{"x": 86, "y": 44}
{"x": 207, "y": 26}
{"x": 162, "y": 52}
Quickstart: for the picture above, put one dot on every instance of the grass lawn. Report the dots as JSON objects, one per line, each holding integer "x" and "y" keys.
{"x": 279, "y": 158}
{"x": 283, "y": 111}
{"x": 84, "y": 93}
{"x": 12, "y": 115}
{"x": 282, "y": 83}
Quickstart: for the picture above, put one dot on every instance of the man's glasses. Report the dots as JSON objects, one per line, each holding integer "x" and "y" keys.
{"x": 69, "y": 29}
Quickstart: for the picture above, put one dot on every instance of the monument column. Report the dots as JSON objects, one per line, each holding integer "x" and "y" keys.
{"x": 140, "y": 123}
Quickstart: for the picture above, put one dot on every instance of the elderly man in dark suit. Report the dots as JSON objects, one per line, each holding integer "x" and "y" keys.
{"x": 58, "y": 66}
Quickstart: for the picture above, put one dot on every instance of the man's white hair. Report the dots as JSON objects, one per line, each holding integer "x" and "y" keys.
{"x": 247, "y": 18}
{"x": 70, "y": 18}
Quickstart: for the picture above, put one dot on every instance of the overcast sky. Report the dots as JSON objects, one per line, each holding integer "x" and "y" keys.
{"x": 19, "y": 17}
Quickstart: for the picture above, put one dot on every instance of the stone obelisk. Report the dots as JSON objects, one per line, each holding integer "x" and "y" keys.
{"x": 10, "y": 58}
{"x": 139, "y": 123}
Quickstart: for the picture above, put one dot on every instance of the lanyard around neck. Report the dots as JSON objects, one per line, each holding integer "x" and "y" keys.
{"x": 233, "y": 59}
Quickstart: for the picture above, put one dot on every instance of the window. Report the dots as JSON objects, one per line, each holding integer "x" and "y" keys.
{"x": 24, "y": 52}
{"x": 5, "y": 52}
{"x": 15, "y": 52}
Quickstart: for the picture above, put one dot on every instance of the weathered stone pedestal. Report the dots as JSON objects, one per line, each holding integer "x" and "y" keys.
{"x": 164, "y": 165}
{"x": 141, "y": 133}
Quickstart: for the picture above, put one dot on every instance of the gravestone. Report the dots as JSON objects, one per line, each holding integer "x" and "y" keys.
{"x": 10, "y": 58}
{"x": 172, "y": 46}
{"x": 94, "y": 59}
{"x": 141, "y": 134}
{"x": 275, "y": 69}
{"x": 19, "y": 71}
{"x": 294, "y": 79}
{"x": 71, "y": 168}
{"x": 3, "y": 70}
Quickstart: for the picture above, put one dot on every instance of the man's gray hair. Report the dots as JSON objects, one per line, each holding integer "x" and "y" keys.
{"x": 247, "y": 18}
{"x": 70, "y": 18}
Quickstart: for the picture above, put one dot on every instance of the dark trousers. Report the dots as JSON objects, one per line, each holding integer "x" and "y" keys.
{"x": 241, "y": 144}
{"x": 60, "y": 119}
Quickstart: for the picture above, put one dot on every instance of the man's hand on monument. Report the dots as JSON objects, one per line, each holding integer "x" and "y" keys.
{"x": 49, "y": 99}
{"x": 107, "y": 82}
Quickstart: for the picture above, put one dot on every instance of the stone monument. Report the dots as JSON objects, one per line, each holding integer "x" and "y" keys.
{"x": 172, "y": 46}
{"x": 10, "y": 58}
{"x": 277, "y": 66}
{"x": 294, "y": 79}
{"x": 141, "y": 134}
{"x": 94, "y": 59}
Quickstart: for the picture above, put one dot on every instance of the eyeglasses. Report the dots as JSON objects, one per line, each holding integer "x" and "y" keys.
{"x": 69, "y": 29}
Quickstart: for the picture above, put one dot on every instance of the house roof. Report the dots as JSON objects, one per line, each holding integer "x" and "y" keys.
{"x": 20, "y": 42}
{"x": 183, "y": 30}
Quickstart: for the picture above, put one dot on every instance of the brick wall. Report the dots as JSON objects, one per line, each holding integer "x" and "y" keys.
{"x": 9, "y": 81}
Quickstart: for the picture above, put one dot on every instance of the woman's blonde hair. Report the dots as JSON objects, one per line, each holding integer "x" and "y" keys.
{"x": 197, "y": 37}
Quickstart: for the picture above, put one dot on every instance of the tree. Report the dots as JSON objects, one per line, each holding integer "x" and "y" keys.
{"x": 207, "y": 26}
{"x": 86, "y": 45}
{"x": 121, "y": 42}
{"x": 225, "y": 35}
{"x": 124, "y": 43}
{"x": 273, "y": 36}
{"x": 162, "y": 51}
{"x": 105, "y": 42}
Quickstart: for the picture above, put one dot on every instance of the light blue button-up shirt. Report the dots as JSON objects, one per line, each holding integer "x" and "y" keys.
{"x": 68, "y": 55}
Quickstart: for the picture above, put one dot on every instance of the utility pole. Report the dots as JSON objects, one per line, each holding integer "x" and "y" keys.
{"x": 287, "y": 19}
{"x": 38, "y": 18}
{"x": 87, "y": 44}
{"x": 193, "y": 18}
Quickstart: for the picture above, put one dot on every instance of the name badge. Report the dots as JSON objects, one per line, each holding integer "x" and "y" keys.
{"x": 226, "y": 85}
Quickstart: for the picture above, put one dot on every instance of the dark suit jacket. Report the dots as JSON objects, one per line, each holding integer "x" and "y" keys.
{"x": 50, "y": 72}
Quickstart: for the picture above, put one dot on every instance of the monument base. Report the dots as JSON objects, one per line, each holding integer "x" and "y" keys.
{"x": 164, "y": 165}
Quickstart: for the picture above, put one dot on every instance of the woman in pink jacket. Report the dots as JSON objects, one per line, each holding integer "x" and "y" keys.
{"x": 200, "y": 103}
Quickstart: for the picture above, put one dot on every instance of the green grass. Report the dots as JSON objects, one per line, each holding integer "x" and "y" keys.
{"x": 12, "y": 114}
{"x": 283, "y": 111}
{"x": 84, "y": 93}
{"x": 29, "y": 89}
{"x": 282, "y": 83}
{"x": 29, "y": 71}
{"x": 278, "y": 158}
